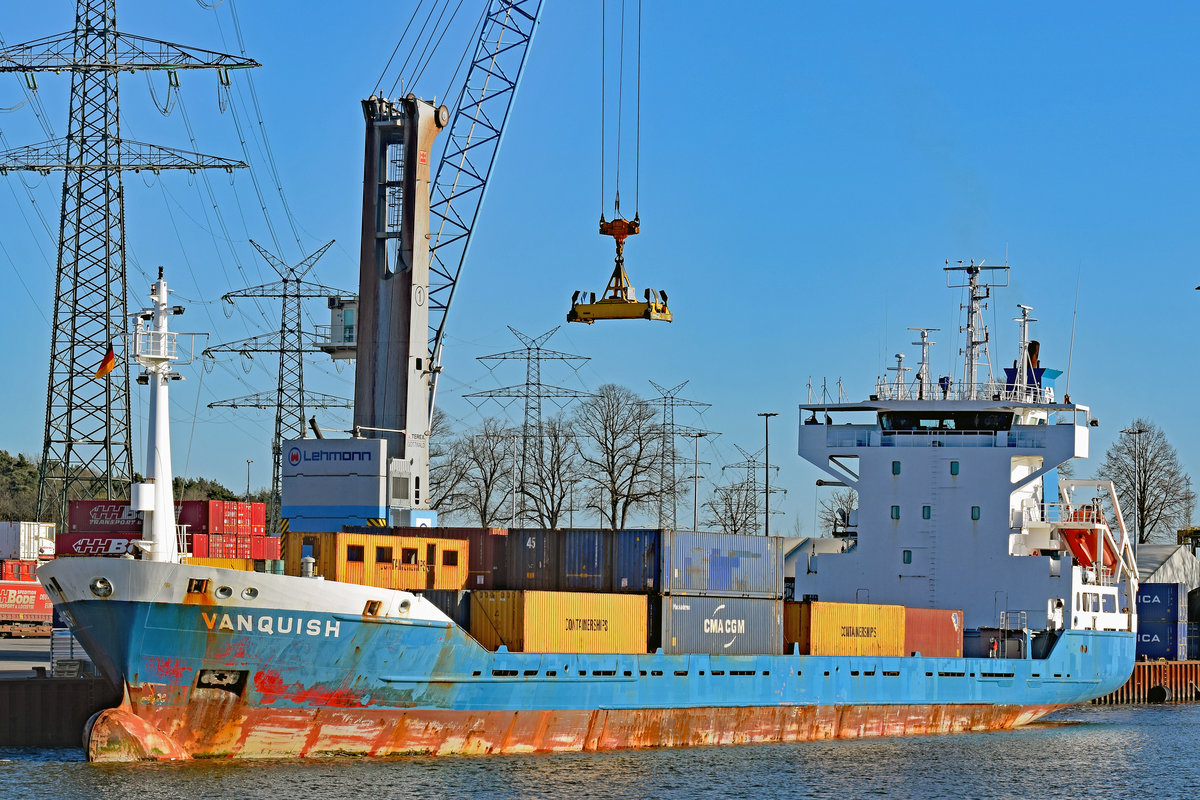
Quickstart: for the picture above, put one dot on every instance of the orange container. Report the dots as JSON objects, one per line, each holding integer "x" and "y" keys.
{"x": 559, "y": 622}
{"x": 933, "y": 632}
{"x": 243, "y": 564}
{"x": 411, "y": 563}
{"x": 844, "y": 629}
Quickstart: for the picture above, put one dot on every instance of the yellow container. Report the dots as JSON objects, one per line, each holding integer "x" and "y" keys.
{"x": 559, "y": 622}
{"x": 844, "y": 629}
{"x": 244, "y": 564}
{"x": 411, "y": 563}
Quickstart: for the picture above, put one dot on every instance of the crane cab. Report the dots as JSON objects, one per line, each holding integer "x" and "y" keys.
{"x": 620, "y": 300}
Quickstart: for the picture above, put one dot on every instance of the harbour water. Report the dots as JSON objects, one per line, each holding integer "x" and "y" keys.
{"x": 1086, "y": 751}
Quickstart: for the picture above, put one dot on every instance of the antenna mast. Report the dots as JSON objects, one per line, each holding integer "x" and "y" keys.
{"x": 976, "y": 330}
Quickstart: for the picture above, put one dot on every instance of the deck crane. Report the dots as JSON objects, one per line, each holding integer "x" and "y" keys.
{"x": 416, "y": 226}
{"x": 620, "y": 298}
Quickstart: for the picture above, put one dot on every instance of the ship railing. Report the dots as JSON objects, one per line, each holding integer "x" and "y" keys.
{"x": 984, "y": 390}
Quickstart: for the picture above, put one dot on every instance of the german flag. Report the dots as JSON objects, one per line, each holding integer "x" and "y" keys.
{"x": 108, "y": 364}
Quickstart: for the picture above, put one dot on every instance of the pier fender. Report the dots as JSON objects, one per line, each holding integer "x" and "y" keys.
{"x": 119, "y": 735}
{"x": 1159, "y": 694}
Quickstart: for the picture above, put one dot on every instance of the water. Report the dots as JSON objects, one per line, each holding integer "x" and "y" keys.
{"x": 1083, "y": 752}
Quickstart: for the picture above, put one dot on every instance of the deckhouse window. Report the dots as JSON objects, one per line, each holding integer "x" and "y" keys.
{"x": 953, "y": 467}
{"x": 895, "y": 467}
{"x": 895, "y": 512}
{"x": 926, "y": 512}
{"x": 975, "y": 513}
{"x": 907, "y": 556}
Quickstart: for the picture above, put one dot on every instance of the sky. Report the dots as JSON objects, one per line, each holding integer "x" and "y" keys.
{"x": 805, "y": 171}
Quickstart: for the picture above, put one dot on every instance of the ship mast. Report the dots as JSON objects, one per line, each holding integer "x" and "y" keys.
{"x": 154, "y": 348}
{"x": 976, "y": 330}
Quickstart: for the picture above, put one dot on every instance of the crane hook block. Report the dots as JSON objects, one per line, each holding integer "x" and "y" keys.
{"x": 620, "y": 301}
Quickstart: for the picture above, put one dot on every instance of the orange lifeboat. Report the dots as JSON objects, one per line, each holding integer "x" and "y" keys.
{"x": 1082, "y": 541}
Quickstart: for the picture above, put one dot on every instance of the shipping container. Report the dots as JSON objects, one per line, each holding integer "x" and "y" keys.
{"x": 844, "y": 629}
{"x": 271, "y": 548}
{"x": 559, "y": 622}
{"x": 534, "y": 560}
{"x": 722, "y": 563}
{"x": 933, "y": 632}
{"x": 1162, "y": 602}
{"x": 716, "y": 625}
{"x": 95, "y": 544}
{"x": 26, "y": 541}
{"x": 586, "y": 560}
{"x": 14, "y": 570}
{"x": 103, "y": 516}
{"x": 22, "y": 601}
{"x": 200, "y": 545}
{"x": 486, "y": 551}
{"x": 454, "y": 603}
{"x": 258, "y": 514}
{"x": 1157, "y": 640}
{"x": 637, "y": 561}
{"x": 411, "y": 563}
{"x": 242, "y": 564}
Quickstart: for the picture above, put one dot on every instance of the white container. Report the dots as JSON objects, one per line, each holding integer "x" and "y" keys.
{"x": 25, "y": 541}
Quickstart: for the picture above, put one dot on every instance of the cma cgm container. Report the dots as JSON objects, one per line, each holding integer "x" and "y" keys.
{"x": 1162, "y": 602}
{"x": 844, "y": 629}
{"x": 1157, "y": 640}
{"x": 716, "y": 625}
{"x": 933, "y": 632}
{"x": 559, "y": 622}
{"x": 410, "y": 563}
{"x": 722, "y": 563}
{"x": 534, "y": 560}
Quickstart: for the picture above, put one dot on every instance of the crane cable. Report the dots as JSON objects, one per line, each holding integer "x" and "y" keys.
{"x": 620, "y": 110}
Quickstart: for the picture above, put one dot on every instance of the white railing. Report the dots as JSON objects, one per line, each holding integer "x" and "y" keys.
{"x": 987, "y": 390}
{"x": 156, "y": 345}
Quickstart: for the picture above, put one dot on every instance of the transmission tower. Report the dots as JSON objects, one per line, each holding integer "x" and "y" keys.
{"x": 87, "y": 445}
{"x": 291, "y": 343}
{"x": 533, "y": 390}
{"x": 669, "y": 400}
{"x": 751, "y": 463}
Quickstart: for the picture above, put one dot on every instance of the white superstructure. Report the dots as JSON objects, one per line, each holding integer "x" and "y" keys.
{"x": 960, "y": 504}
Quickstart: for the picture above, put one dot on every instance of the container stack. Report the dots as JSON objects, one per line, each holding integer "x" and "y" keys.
{"x": 26, "y": 541}
{"x": 1162, "y": 610}
{"x": 213, "y": 529}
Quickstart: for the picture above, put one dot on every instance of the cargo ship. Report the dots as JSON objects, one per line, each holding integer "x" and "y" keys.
{"x": 972, "y": 589}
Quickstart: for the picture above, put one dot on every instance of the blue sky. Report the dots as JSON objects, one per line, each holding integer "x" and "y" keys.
{"x": 806, "y": 169}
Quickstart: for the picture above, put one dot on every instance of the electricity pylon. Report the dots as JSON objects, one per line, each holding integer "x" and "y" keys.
{"x": 289, "y": 398}
{"x": 87, "y": 447}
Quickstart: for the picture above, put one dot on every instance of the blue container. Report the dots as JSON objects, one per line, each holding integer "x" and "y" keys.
{"x": 1162, "y": 602}
{"x": 586, "y": 560}
{"x": 722, "y": 563}
{"x": 454, "y": 603}
{"x": 534, "y": 560}
{"x": 1157, "y": 640}
{"x": 637, "y": 561}
{"x": 716, "y": 625}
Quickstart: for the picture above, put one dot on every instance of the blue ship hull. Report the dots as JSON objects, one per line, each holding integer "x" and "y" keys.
{"x": 254, "y": 680}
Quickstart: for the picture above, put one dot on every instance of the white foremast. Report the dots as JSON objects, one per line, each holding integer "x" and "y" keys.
{"x": 154, "y": 348}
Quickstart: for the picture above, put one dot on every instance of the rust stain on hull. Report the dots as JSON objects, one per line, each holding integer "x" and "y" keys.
{"x": 214, "y": 726}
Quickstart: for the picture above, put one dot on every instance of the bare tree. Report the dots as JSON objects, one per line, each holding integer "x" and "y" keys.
{"x": 553, "y": 472}
{"x": 733, "y": 508}
{"x": 620, "y": 452}
{"x": 487, "y": 455}
{"x": 1149, "y": 479}
{"x": 834, "y": 513}
{"x": 447, "y": 470}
